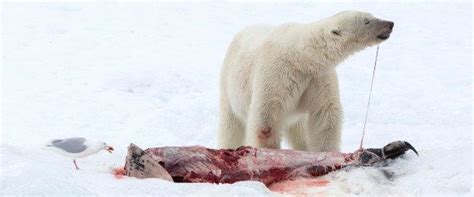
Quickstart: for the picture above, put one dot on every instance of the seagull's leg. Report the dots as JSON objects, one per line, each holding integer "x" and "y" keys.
{"x": 77, "y": 168}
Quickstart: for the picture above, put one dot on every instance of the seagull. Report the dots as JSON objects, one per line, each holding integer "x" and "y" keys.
{"x": 77, "y": 147}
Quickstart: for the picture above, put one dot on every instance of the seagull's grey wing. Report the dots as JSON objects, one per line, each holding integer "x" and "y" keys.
{"x": 70, "y": 145}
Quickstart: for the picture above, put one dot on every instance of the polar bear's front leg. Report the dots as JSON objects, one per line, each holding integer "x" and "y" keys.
{"x": 324, "y": 129}
{"x": 325, "y": 114}
{"x": 297, "y": 136}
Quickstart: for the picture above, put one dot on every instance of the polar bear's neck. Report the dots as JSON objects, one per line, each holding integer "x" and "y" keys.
{"x": 326, "y": 51}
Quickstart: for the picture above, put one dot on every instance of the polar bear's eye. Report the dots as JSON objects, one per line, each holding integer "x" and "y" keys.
{"x": 366, "y": 21}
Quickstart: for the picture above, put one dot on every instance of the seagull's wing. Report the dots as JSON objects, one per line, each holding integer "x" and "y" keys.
{"x": 70, "y": 145}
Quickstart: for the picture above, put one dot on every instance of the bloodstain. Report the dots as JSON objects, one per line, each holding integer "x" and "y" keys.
{"x": 298, "y": 187}
{"x": 317, "y": 182}
{"x": 119, "y": 172}
{"x": 243, "y": 150}
{"x": 211, "y": 178}
{"x": 274, "y": 174}
{"x": 228, "y": 158}
{"x": 265, "y": 133}
{"x": 195, "y": 177}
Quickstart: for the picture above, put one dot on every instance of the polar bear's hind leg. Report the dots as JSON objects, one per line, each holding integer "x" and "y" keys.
{"x": 296, "y": 135}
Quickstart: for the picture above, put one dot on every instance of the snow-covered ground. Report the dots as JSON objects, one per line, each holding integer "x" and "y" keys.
{"x": 147, "y": 73}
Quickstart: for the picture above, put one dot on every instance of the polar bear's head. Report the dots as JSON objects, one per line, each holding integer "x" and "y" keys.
{"x": 358, "y": 30}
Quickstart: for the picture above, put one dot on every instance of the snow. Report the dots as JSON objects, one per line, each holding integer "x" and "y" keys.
{"x": 147, "y": 73}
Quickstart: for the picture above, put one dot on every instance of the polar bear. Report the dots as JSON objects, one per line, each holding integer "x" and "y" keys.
{"x": 281, "y": 81}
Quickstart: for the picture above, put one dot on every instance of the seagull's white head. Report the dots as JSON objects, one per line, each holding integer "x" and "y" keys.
{"x": 96, "y": 146}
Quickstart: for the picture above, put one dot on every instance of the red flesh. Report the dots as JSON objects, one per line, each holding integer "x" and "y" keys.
{"x": 200, "y": 164}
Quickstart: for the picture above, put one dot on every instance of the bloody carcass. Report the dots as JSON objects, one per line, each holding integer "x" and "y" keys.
{"x": 201, "y": 164}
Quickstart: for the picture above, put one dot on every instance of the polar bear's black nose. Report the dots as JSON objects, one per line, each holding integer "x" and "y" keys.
{"x": 390, "y": 24}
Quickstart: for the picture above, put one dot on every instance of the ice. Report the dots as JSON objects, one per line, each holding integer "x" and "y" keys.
{"x": 147, "y": 73}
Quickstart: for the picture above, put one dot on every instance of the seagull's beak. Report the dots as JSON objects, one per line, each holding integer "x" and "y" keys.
{"x": 109, "y": 149}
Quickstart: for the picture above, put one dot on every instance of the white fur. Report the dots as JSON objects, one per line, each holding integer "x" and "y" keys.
{"x": 283, "y": 78}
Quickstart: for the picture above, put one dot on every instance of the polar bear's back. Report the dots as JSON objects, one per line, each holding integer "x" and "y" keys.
{"x": 253, "y": 36}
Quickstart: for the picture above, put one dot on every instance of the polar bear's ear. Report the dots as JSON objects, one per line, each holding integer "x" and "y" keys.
{"x": 336, "y": 31}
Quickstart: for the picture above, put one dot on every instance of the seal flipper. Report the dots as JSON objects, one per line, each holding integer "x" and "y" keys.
{"x": 396, "y": 149}
{"x": 393, "y": 150}
{"x": 139, "y": 164}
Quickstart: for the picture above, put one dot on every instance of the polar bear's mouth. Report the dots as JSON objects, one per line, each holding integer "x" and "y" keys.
{"x": 384, "y": 35}
{"x": 386, "y": 30}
